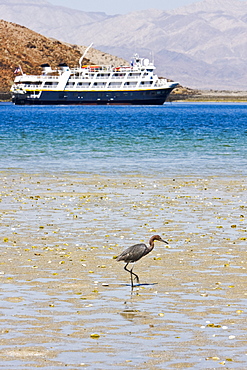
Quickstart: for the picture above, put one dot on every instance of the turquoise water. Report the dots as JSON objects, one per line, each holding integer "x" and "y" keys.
{"x": 174, "y": 139}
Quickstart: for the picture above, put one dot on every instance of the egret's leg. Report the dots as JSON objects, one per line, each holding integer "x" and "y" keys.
{"x": 136, "y": 276}
{"x": 131, "y": 273}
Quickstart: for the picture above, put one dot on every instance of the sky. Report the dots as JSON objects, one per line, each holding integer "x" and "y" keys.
{"x": 121, "y": 6}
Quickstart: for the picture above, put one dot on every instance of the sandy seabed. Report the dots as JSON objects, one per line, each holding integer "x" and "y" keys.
{"x": 67, "y": 303}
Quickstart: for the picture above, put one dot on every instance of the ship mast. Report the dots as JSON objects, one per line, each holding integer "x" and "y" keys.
{"x": 85, "y": 52}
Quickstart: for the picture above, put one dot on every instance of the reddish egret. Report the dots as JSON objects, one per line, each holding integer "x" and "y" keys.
{"x": 136, "y": 252}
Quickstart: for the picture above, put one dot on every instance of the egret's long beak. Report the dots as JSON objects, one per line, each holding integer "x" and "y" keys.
{"x": 164, "y": 241}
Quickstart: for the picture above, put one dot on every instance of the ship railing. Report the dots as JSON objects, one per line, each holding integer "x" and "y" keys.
{"x": 113, "y": 76}
{"x": 106, "y": 78}
{"x": 122, "y": 69}
{"x": 161, "y": 82}
{"x": 79, "y": 87}
{"x": 98, "y": 87}
{"x": 89, "y": 86}
{"x": 27, "y": 86}
{"x": 133, "y": 77}
{"x": 130, "y": 87}
{"x": 116, "y": 77}
{"x": 49, "y": 87}
{"x": 102, "y": 78}
{"x": 34, "y": 87}
{"x": 90, "y": 76}
{"x": 49, "y": 77}
{"x": 118, "y": 86}
{"x": 104, "y": 68}
{"x": 120, "y": 77}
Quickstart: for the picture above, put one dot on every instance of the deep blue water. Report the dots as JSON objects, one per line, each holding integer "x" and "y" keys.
{"x": 174, "y": 139}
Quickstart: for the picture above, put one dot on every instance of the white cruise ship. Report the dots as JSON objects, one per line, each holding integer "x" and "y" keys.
{"x": 134, "y": 84}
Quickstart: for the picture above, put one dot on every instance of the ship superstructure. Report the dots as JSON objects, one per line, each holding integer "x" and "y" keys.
{"x": 135, "y": 83}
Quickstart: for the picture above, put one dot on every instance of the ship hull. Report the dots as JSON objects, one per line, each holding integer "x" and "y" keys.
{"x": 130, "y": 97}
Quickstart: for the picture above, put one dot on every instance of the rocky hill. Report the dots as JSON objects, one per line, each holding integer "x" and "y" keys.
{"x": 21, "y": 46}
{"x": 202, "y": 45}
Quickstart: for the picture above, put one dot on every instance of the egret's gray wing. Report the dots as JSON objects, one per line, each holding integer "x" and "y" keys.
{"x": 133, "y": 253}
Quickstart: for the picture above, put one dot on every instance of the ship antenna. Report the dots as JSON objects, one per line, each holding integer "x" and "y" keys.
{"x": 85, "y": 52}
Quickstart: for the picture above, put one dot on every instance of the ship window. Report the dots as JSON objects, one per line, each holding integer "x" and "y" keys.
{"x": 104, "y": 75}
{"x": 70, "y": 84}
{"x": 83, "y": 84}
{"x": 117, "y": 75}
{"x": 135, "y": 75}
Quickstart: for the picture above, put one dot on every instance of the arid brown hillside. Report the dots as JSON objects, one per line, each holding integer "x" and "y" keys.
{"x": 21, "y": 46}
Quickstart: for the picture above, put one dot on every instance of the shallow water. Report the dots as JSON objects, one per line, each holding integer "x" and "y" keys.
{"x": 63, "y": 221}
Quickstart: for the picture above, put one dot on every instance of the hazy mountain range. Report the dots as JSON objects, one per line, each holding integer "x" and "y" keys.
{"x": 203, "y": 45}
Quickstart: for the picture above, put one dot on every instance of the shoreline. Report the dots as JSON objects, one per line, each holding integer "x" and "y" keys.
{"x": 190, "y": 95}
{"x": 60, "y": 234}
